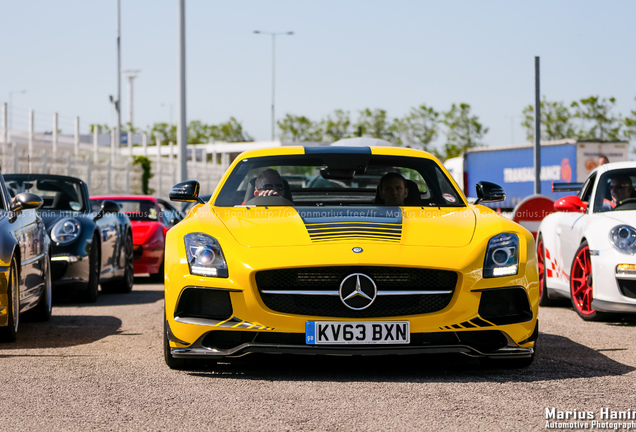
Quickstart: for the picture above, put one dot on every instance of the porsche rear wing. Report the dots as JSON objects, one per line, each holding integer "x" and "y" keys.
{"x": 566, "y": 187}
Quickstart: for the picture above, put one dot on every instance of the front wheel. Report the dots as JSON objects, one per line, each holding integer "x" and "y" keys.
{"x": 581, "y": 285}
{"x": 10, "y": 332}
{"x": 172, "y": 362}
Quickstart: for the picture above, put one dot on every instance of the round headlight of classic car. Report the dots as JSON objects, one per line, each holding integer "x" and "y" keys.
{"x": 205, "y": 257}
{"x": 623, "y": 238}
{"x": 502, "y": 256}
{"x": 65, "y": 230}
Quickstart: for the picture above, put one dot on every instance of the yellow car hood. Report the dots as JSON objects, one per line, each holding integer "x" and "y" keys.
{"x": 289, "y": 226}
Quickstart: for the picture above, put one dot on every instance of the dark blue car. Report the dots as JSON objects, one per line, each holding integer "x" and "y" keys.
{"x": 87, "y": 248}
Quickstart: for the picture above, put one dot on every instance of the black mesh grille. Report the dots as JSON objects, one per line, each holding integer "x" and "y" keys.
{"x": 204, "y": 303}
{"x": 627, "y": 287}
{"x": 329, "y": 279}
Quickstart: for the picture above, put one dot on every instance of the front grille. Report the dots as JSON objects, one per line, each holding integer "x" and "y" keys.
{"x": 328, "y": 279}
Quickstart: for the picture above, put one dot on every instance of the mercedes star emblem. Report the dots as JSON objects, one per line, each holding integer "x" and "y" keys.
{"x": 357, "y": 291}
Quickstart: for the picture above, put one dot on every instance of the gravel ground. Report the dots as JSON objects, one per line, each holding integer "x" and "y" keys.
{"x": 101, "y": 367}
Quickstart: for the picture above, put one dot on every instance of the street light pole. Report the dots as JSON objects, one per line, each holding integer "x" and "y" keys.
{"x": 273, "y": 35}
{"x": 182, "y": 125}
{"x": 11, "y": 105}
{"x": 118, "y": 101}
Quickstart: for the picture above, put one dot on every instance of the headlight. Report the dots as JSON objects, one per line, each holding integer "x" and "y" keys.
{"x": 65, "y": 230}
{"x": 205, "y": 257}
{"x": 502, "y": 256}
{"x": 624, "y": 238}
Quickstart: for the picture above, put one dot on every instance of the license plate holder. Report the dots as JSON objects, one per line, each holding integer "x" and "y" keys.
{"x": 357, "y": 332}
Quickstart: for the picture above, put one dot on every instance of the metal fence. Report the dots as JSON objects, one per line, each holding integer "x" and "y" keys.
{"x": 104, "y": 174}
{"x": 107, "y": 170}
{"x": 102, "y": 177}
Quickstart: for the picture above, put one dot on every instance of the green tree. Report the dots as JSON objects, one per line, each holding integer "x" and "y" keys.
{"x": 598, "y": 121}
{"x": 230, "y": 131}
{"x": 556, "y": 121}
{"x": 418, "y": 129}
{"x": 630, "y": 125}
{"x": 163, "y": 132}
{"x": 463, "y": 130}
{"x": 146, "y": 174}
{"x": 198, "y": 132}
{"x": 374, "y": 124}
{"x": 299, "y": 129}
{"x": 338, "y": 126}
{"x": 128, "y": 127}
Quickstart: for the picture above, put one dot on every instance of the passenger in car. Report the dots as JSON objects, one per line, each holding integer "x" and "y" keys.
{"x": 392, "y": 189}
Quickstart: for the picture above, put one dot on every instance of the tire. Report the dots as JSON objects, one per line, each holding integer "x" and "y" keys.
{"x": 10, "y": 332}
{"x": 544, "y": 300}
{"x": 91, "y": 289}
{"x": 42, "y": 312}
{"x": 181, "y": 363}
{"x": 581, "y": 285}
{"x": 125, "y": 283}
{"x": 172, "y": 362}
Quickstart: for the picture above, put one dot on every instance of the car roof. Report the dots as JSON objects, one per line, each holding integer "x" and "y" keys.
{"x": 298, "y": 150}
{"x": 44, "y": 176}
{"x": 616, "y": 165}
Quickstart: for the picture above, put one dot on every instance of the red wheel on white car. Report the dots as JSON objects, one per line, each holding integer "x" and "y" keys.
{"x": 581, "y": 283}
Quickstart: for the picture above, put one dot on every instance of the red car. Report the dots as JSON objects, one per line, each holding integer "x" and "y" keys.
{"x": 151, "y": 218}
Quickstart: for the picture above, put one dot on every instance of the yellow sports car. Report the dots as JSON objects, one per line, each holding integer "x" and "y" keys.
{"x": 347, "y": 250}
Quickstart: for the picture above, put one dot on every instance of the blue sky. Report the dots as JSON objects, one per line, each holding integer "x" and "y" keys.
{"x": 348, "y": 55}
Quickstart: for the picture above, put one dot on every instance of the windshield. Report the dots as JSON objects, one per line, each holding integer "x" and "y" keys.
{"x": 338, "y": 180}
{"x": 58, "y": 193}
{"x": 135, "y": 209}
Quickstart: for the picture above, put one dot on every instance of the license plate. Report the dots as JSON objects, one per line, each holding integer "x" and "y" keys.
{"x": 352, "y": 332}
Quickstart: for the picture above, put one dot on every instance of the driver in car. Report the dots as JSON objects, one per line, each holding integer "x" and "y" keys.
{"x": 621, "y": 188}
{"x": 269, "y": 183}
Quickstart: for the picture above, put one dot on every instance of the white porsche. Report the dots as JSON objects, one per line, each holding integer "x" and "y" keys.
{"x": 587, "y": 248}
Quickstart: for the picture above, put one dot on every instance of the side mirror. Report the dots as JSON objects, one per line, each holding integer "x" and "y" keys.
{"x": 187, "y": 191}
{"x": 489, "y": 192}
{"x": 570, "y": 204}
{"x": 25, "y": 201}
{"x": 109, "y": 206}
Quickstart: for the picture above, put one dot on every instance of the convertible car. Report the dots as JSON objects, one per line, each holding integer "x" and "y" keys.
{"x": 151, "y": 218}
{"x": 587, "y": 249}
{"x": 25, "y": 266}
{"x": 87, "y": 248}
{"x": 328, "y": 267}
